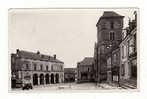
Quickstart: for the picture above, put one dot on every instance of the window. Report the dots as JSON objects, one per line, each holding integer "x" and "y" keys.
{"x": 114, "y": 58}
{"x": 35, "y": 67}
{"x": 102, "y": 49}
{"x": 61, "y": 68}
{"x": 123, "y": 70}
{"x": 41, "y": 67}
{"x": 112, "y": 36}
{"x": 124, "y": 51}
{"x": 131, "y": 46}
{"x": 135, "y": 43}
{"x": 27, "y": 66}
{"x": 52, "y": 67}
{"x": 47, "y": 68}
{"x": 88, "y": 69}
{"x": 133, "y": 71}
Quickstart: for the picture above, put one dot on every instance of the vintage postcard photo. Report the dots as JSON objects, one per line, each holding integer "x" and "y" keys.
{"x": 73, "y": 49}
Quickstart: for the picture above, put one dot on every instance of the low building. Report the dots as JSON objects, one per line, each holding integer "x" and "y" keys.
{"x": 38, "y": 69}
{"x": 69, "y": 75}
{"x": 85, "y": 70}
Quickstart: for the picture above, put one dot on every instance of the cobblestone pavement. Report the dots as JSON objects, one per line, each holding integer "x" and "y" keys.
{"x": 72, "y": 86}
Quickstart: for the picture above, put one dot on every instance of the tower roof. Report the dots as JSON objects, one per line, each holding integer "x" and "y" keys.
{"x": 109, "y": 14}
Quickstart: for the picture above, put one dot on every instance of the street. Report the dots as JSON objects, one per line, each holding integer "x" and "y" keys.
{"x": 71, "y": 86}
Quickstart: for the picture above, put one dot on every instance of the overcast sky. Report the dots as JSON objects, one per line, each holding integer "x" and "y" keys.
{"x": 68, "y": 33}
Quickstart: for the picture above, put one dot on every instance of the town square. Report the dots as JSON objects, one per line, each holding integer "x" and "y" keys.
{"x": 73, "y": 49}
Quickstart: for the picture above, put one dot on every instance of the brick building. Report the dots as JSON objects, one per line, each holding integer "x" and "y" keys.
{"x": 85, "y": 70}
{"x": 38, "y": 68}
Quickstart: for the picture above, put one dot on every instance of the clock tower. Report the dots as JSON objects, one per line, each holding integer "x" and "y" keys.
{"x": 109, "y": 35}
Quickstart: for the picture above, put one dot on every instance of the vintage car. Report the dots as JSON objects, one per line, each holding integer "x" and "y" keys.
{"x": 27, "y": 83}
{"x": 27, "y": 86}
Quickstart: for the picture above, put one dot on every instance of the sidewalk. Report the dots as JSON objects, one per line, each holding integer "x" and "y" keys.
{"x": 74, "y": 86}
{"x": 109, "y": 86}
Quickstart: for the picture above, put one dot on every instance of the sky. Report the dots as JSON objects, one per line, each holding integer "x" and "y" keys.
{"x": 68, "y": 33}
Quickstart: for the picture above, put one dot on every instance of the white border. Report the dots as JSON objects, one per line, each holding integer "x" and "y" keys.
{"x": 6, "y": 4}
{"x": 81, "y": 90}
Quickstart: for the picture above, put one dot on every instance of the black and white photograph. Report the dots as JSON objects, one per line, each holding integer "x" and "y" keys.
{"x": 78, "y": 49}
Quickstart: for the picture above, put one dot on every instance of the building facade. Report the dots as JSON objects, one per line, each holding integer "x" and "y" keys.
{"x": 85, "y": 70}
{"x": 128, "y": 55}
{"x": 109, "y": 29}
{"x": 70, "y": 75}
{"x": 115, "y": 65}
{"x": 36, "y": 68}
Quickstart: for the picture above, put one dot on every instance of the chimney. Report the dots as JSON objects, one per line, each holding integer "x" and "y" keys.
{"x": 54, "y": 56}
{"x": 38, "y": 52}
{"x": 17, "y": 50}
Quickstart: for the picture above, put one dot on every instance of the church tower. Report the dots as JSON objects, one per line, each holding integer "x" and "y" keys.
{"x": 109, "y": 35}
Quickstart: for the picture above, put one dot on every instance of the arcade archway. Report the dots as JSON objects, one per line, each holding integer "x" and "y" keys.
{"x": 41, "y": 79}
{"x": 47, "y": 78}
{"x": 35, "y": 79}
{"x": 57, "y": 78}
{"x": 52, "y": 78}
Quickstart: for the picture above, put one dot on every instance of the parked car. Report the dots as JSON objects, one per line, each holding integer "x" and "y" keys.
{"x": 27, "y": 86}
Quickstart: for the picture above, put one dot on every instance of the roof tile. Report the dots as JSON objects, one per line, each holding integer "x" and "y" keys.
{"x": 35, "y": 56}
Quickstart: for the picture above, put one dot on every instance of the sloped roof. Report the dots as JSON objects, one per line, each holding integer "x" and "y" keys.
{"x": 35, "y": 56}
{"x": 87, "y": 61}
{"x": 111, "y": 14}
{"x": 69, "y": 70}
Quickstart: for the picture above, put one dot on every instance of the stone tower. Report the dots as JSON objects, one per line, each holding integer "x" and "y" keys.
{"x": 109, "y": 30}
